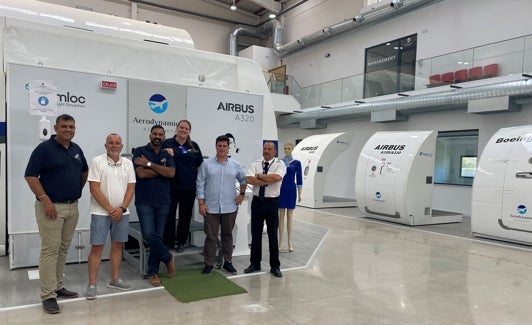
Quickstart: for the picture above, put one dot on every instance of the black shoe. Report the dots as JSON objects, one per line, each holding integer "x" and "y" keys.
{"x": 228, "y": 266}
{"x": 180, "y": 248}
{"x": 276, "y": 273}
{"x": 64, "y": 293}
{"x": 252, "y": 268}
{"x": 50, "y": 306}
{"x": 207, "y": 270}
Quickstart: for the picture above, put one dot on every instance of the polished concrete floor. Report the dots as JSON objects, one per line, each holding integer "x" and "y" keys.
{"x": 362, "y": 272}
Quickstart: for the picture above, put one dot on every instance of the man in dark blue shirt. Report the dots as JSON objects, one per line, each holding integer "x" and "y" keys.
{"x": 56, "y": 173}
{"x": 154, "y": 168}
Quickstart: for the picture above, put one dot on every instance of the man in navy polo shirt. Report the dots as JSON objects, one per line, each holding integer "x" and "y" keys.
{"x": 154, "y": 168}
{"x": 56, "y": 173}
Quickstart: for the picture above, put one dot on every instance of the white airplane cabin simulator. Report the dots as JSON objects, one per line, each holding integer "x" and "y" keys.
{"x": 395, "y": 178}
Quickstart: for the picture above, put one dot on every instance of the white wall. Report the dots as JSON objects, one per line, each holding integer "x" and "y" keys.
{"x": 443, "y": 27}
{"x": 314, "y": 15}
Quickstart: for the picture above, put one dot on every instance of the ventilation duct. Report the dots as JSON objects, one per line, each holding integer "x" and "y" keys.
{"x": 273, "y": 26}
{"x": 395, "y": 8}
{"x": 446, "y": 100}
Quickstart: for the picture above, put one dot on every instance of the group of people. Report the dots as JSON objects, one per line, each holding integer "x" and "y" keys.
{"x": 163, "y": 175}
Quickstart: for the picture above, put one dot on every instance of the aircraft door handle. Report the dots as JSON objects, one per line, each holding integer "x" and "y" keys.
{"x": 523, "y": 175}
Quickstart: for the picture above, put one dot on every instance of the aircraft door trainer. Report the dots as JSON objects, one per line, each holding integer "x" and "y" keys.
{"x": 501, "y": 189}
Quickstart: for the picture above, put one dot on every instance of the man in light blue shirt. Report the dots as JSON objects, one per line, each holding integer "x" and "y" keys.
{"x": 218, "y": 202}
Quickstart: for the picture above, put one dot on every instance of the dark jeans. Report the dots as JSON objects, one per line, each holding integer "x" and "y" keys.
{"x": 264, "y": 210}
{"x": 152, "y": 220}
{"x": 185, "y": 200}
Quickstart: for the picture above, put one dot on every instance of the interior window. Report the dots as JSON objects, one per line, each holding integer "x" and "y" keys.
{"x": 456, "y": 157}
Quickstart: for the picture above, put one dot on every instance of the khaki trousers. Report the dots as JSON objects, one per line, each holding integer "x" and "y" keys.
{"x": 56, "y": 236}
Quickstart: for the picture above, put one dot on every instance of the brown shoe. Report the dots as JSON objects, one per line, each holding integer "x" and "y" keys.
{"x": 154, "y": 280}
{"x": 170, "y": 268}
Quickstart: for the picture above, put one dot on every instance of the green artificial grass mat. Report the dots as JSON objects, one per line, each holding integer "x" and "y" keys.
{"x": 190, "y": 285}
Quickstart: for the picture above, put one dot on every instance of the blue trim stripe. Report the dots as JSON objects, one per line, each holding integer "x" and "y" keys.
{"x": 2, "y": 129}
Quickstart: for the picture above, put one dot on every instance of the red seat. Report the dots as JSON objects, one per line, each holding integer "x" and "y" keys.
{"x": 475, "y": 73}
{"x": 448, "y": 77}
{"x": 491, "y": 70}
{"x": 435, "y": 79}
{"x": 461, "y": 75}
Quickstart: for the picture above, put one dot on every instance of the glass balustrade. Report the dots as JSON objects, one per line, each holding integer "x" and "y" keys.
{"x": 513, "y": 56}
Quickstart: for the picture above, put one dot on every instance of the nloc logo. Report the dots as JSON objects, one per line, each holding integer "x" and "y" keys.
{"x": 71, "y": 98}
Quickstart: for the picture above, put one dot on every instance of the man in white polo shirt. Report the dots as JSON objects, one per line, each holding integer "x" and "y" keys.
{"x": 112, "y": 184}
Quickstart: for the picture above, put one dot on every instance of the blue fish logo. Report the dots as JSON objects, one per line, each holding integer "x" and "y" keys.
{"x": 521, "y": 209}
{"x": 378, "y": 195}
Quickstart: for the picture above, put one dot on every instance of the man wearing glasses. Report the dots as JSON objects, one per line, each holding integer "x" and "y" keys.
{"x": 112, "y": 184}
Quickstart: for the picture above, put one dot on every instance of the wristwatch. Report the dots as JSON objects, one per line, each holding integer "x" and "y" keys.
{"x": 148, "y": 164}
{"x": 123, "y": 209}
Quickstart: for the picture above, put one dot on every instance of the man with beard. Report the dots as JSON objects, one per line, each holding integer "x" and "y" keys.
{"x": 112, "y": 183}
{"x": 154, "y": 168}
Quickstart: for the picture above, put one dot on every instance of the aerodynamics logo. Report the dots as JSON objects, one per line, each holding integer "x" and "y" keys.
{"x": 378, "y": 195}
{"x": 158, "y": 103}
{"x": 521, "y": 209}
